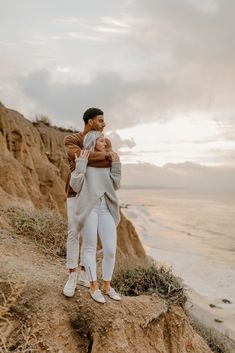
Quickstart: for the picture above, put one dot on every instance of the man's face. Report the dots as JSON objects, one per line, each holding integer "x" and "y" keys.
{"x": 98, "y": 123}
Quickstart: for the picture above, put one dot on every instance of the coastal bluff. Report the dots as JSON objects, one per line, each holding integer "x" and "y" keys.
{"x": 34, "y": 314}
{"x": 33, "y": 161}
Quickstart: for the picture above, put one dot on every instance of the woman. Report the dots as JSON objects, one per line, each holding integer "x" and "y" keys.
{"x": 97, "y": 211}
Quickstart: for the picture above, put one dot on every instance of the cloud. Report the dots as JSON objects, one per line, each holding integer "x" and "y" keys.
{"x": 103, "y": 29}
{"x": 8, "y": 44}
{"x": 196, "y": 44}
{"x": 118, "y": 143}
{"x": 181, "y": 175}
{"x": 139, "y": 61}
{"x": 125, "y": 102}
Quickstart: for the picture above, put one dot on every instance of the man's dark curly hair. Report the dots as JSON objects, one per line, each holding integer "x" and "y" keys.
{"x": 91, "y": 113}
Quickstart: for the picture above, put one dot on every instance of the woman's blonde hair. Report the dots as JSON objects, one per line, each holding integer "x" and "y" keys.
{"x": 90, "y": 139}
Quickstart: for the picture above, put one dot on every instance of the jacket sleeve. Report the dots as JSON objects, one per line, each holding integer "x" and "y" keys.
{"x": 78, "y": 175}
{"x": 115, "y": 174}
{"x": 73, "y": 144}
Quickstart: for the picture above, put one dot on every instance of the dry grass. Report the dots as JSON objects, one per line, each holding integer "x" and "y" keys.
{"x": 136, "y": 279}
{"x": 43, "y": 119}
{"x": 8, "y": 297}
{"x": 9, "y": 294}
{"x": 15, "y": 336}
{"x": 46, "y": 227}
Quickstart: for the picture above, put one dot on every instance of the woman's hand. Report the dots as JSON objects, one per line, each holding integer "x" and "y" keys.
{"x": 114, "y": 156}
{"x": 83, "y": 155}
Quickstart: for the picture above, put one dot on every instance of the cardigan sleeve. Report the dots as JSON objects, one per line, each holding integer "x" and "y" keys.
{"x": 115, "y": 174}
{"x": 78, "y": 175}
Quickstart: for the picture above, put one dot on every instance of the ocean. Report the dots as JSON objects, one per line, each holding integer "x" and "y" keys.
{"x": 193, "y": 232}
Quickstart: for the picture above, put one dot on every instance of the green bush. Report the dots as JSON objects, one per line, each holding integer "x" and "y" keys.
{"x": 148, "y": 279}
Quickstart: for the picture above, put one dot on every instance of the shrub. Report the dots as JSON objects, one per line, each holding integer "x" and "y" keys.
{"x": 46, "y": 121}
{"x": 148, "y": 279}
{"x": 64, "y": 129}
{"x": 42, "y": 119}
{"x": 46, "y": 227}
{"x": 16, "y": 336}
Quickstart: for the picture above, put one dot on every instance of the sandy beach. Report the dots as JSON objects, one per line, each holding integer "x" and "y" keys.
{"x": 212, "y": 313}
{"x": 194, "y": 235}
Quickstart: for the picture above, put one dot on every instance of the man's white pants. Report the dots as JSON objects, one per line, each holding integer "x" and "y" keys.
{"x": 99, "y": 221}
{"x": 73, "y": 237}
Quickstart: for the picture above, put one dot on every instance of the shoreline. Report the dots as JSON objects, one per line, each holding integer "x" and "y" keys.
{"x": 212, "y": 313}
{"x": 217, "y": 318}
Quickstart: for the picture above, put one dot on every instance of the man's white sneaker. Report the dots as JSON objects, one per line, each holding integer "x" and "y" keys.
{"x": 83, "y": 280}
{"x": 113, "y": 294}
{"x": 70, "y": 286}
{"x": 97, "y": 296}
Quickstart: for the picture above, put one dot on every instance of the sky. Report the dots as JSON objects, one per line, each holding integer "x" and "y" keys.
{"x": 163, "y": 72}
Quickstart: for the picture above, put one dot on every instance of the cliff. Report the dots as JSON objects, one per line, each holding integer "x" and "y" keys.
{"x": 34, "y": 315}
{"x": 33, "y": 161}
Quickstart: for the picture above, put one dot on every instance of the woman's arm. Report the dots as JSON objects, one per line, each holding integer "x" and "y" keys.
{"x": 115, "y": 174}
{"x": 115, "y": 171}
{"x": 78, "y": 175}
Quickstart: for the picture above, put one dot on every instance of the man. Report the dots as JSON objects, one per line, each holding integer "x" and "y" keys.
{"x": 93, "y": 120}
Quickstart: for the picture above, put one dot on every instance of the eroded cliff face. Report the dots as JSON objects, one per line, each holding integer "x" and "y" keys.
{"x": 33, "y": 161}
{"x": 128, "y": 243}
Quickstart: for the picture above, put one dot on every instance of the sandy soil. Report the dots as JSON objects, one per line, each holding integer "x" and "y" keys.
{"x": 138, "y": 324}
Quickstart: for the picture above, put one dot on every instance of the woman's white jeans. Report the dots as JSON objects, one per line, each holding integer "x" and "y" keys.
{"x": 99, "y": 221}
{"x": 73, "y": 237}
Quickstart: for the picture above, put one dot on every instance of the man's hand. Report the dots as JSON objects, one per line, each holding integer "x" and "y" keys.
{"x": 83, "y": 155}
{"x": 114, "y": 157}
{"x": 108, "y": 156}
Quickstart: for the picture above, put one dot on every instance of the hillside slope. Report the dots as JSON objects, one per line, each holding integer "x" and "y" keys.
{"x": 43, "y": 320}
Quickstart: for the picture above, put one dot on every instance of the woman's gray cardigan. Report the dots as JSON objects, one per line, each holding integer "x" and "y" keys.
{"x": 91, "y": 184}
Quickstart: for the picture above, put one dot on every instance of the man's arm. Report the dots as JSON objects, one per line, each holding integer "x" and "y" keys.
{"x": 73, "y": 144}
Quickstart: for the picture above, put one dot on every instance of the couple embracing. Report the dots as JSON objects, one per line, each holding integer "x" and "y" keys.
{"x": 92, "y": 206}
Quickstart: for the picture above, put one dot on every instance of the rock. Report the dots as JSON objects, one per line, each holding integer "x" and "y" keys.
{"x": 27, "y": 173}
{"x": 226, "y": 301}
{"x": 218, "y": 320}
{"x": 136, "y": 324}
